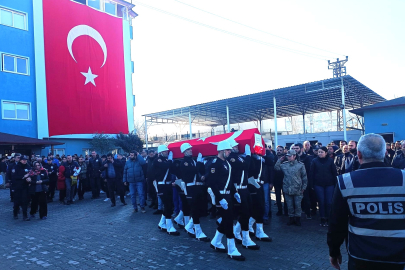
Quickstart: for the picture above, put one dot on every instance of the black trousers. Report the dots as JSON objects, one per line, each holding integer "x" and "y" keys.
{"x": 226, "y": 225}
{"x": 152, "y": 192}
{"x": 185, "y": 202}
{"x": 83, "y": 184}
{"x": 166, "y": 193}
{"x": 306, "y": 202}
{"x": 39, "y": 199}
{"x": 257, "y": 203}
{"x": 355, "y": 264}
{"x": 115, "y": 185}
{"x": 278, "y": 190}
{"x": 313, "y": 199}
{"x": 52, "y": 186}
{"x": 196, "y": 202}
{"x": 95, "y": 186}
{"x": 243, "y": 209}
{"x": 21, "y": 200}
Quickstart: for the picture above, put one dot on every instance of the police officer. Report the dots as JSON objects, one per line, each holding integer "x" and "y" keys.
{"x": 257, "y": 194}
{"x": 20, "y": 184}
{"x": 10, "y": 175}
{"x": 193, "y": 175}
{"x": 94, "y": 168}
{"x": 222, "y": 191}
{"x": 161, "y": 167}
{"x": 240, "y": 169}
{"x": 52, "y": 169}
{"x": 368, "y": 211}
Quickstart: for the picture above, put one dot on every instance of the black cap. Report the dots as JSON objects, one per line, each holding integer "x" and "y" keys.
{"x": 23, "y": 158}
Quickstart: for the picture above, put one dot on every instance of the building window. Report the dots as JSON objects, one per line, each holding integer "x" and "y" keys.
{"x": 16, "y": 110}
{"x": 13, "y": 18}
{"x": 14, "y": 64}
{"x": 94, "y": 3}
{"x": 80, "y": 1}
{"x": 122, "y": 12}
{"x": 110, "y": 7}
{"x": 59, "y": 151}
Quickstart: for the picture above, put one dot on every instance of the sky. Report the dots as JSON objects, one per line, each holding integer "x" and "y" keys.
{"x": 188, "y": 52}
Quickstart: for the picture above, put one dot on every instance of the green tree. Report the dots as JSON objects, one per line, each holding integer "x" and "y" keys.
{"x": 102, "y": 143}
{"x": 129, "y": 142}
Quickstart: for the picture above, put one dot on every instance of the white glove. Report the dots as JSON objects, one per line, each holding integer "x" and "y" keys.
{"x": 247, "y": 150}
{"x": 224, "y": 204}
{"x": 170, "y": 156}
{"x": 262, "y": 159}
{"x": 199, "y": 157}
{"x": 237, "y": 197}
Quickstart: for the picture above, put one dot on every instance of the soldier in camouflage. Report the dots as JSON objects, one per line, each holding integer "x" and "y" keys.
{"x": 294, "y": 184}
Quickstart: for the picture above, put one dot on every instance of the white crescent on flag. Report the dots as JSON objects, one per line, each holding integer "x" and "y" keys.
{"x": 233, "y": 137}
{"x": 85, "y": 30}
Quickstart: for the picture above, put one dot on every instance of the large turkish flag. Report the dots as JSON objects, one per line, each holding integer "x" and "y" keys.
{"x": 85, "y": 72}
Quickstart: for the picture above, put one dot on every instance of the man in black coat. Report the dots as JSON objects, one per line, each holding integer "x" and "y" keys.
{"x": 20, "y": 185}
{"x": 94, "y": 170}
{"x": 52, "y": 169}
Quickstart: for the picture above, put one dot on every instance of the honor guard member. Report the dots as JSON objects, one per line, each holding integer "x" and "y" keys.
{"x": 240, "y": 169}
{"x": 222, "y": 191}
{"x": 257, "y": 194}
{"x": 163, "y": 184}
{"x": 193, "y": 175}
{"x": 368, "y": 211}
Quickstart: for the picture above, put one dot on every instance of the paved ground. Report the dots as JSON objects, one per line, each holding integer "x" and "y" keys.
{"x": 92, "y": 235}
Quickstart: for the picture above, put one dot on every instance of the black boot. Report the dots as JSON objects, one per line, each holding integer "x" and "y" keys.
{"x": 298, "y": 221}
{"x": 291, "y": 221}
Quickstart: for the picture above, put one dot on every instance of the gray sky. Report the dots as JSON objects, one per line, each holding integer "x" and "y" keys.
{"x": 185, "y": 56}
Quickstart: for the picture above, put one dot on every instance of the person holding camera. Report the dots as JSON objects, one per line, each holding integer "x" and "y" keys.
{"x": 38, "y": 190}
{"x": 112, "y": 169}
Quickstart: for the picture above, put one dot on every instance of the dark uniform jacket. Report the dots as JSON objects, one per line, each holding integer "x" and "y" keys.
{"x": 95, "y": 166}
{"x": 239, "y": 165}
{"x": 19, "y": 181}
{"x": 368, "y": 212}
{"x": 160, "y": 167}
{"x": 191, "y": 170}
{"x": 53, "y": 170}
{"x": 217, "y": 178}
{"x": 11, "y": 171}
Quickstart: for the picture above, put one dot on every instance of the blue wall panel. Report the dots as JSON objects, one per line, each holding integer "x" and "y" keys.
{"x": 71, "y": 146}
{"x": 393, "y": 117}
{"x": 17, "y": 87}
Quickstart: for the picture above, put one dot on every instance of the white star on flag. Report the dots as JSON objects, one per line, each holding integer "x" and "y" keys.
{"x": 89, "y": 77}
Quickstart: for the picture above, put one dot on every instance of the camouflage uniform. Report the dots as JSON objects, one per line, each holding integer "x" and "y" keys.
{"x": 294, "y": 182}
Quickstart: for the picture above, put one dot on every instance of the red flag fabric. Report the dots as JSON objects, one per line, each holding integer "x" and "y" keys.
{"x": 85, "y": 72}
{"x": 208, "y": 146}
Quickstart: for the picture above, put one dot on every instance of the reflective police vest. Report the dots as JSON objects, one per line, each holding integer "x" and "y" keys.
{"x": 376, "y": 199}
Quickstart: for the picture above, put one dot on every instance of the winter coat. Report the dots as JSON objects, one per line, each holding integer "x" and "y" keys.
{"x": 347, "y": 162}
{"x": 19, "y": 181}
{"x": 70, "y": 168}
{"x": 133, "y": 170}
{"x": 36, "y": 176}
{"x": 83, "y": 171}
{"x": 95, "y": 166}
{"x": 112, "y": 169}
{"x": 323, "y": 172}
{"x": 61, "y": 178}
{"x": 399, "y": 160}
{"x": 295, "y": 176}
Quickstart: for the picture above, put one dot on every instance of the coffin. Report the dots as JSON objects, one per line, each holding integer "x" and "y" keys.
{"x": 207, "y": 146}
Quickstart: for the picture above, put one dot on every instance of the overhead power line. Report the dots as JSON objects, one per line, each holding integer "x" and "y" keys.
{"x": 254, "y": 28}
{"x": 313, "y": 55}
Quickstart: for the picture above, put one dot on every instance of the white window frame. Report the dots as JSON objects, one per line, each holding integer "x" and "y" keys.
{"x": 15, "y": 63}
{"x": 15, "y": 103}
{"x": 15, "y": 12}
{"x": 116, "y": 6}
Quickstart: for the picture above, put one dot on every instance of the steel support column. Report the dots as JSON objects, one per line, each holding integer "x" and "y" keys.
{"x": 189, "y": 121}
{"x": 227, "y": 118}
{"x": 303, "y": 121}
{"x": 343, "y": 110}
{"x": 275, "y": 123}
{"x": 146, "y": 133}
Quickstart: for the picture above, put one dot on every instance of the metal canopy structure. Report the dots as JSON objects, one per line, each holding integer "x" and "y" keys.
{"x": 314, "y": 97}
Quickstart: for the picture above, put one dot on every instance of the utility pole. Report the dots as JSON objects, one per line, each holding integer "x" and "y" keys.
{"x": 338, "y": 67}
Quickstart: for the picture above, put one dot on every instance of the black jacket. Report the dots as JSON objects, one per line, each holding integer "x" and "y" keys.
{"x": 399, "y": 161}
{"x": 118, "y": 169}
{"x": 323, "y": 172}
{"x": 43, "y": 176}
{"x": 19, "y": 179}
{"x": 3, "y": 167}
{"x": 278, "y": 175}
{"x": 69, "y": 168}
{"x": 52, "y": 170}
{"x": 94, "y": 167}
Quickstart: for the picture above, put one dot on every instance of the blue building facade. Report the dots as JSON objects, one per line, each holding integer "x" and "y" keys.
{"x": 22, "y": 71}
{"x": 17, "y": 76}
{"x": 385, "y": 118}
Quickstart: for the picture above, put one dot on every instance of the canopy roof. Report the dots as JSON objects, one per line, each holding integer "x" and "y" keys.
{"x": 6, "y": 138}
{"x": 390, "y": 103}
{"x": 314, "y": 97}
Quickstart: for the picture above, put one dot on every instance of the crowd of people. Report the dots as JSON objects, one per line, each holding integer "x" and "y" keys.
{"x": 233, "y": 186}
